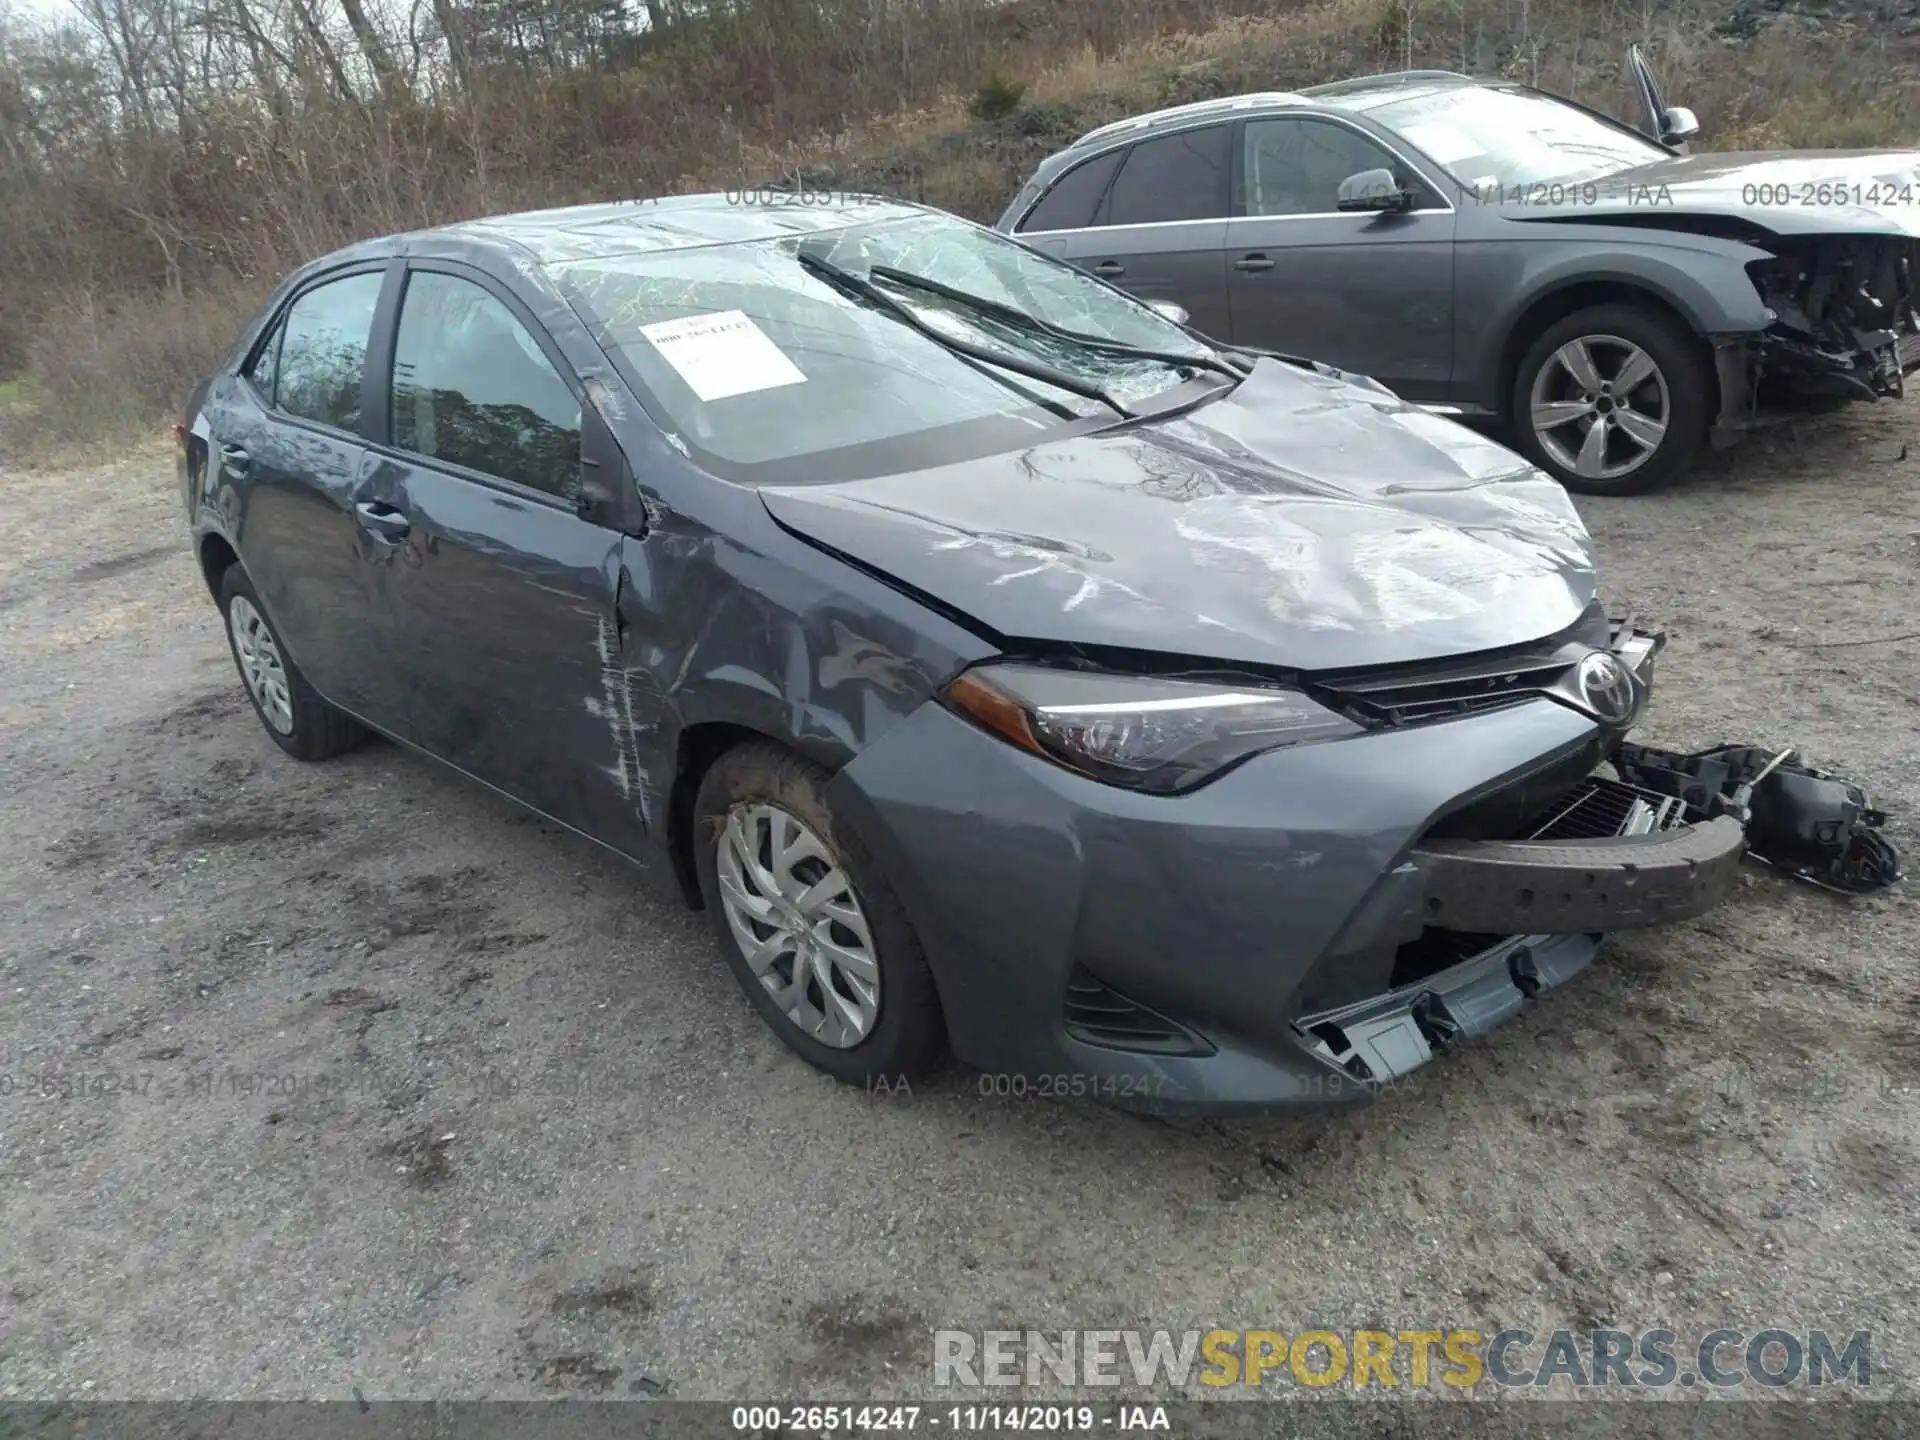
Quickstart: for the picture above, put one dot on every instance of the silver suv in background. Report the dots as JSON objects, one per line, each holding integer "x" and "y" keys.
{"x": 1489, "y": 250}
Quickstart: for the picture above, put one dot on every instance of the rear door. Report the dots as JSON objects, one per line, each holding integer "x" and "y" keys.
{"x": 506, "y": 604}
{"x": 284, "y": 438}
{"x": 1158, "y": 227}
{"x": 1368, "y": 292}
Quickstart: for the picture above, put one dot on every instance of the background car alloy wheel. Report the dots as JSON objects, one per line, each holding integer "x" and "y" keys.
{"x": 799, "y": 924}
{"x": 1600, "y": 407}
{"x": 260, "y": 665}
{"x": 1613, "y": 399}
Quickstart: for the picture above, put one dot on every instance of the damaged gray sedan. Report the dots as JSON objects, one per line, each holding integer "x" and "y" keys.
{"x": 1496, "y": 252}
{"x": 1003, "y": 668}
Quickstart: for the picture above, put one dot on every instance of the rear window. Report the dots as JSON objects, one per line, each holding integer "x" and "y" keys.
{"x": 325, "y": 349}
{"x": 1071, "y": 202}
{"x": 1176, "y": 177}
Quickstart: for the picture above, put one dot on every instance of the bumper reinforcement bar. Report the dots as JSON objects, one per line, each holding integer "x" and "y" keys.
{"x": 1559, "y": 887}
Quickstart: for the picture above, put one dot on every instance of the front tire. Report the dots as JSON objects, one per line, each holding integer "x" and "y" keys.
{"x": 300, "y": 722}
{"x": 1613, "y": 400}
{"x": 808, "y": 923}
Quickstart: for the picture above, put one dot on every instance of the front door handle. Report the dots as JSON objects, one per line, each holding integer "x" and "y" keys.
{"x": 1107, "y": 269}
{"x": 383, "y": 520}
{"x": 234, "y": 459}
{"x": 1253, "y": 264}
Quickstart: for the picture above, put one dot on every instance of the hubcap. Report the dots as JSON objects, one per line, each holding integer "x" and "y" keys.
{"x": 1600, "y": 406}
{"x": 260, "y": 663}
{"x": 798, "y": 923}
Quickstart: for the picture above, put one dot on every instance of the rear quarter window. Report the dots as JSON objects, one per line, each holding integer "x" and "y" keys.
{"x": 1071, "y": 203}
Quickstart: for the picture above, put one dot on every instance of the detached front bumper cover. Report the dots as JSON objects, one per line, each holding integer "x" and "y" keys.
{"x": 1560, "y": 887}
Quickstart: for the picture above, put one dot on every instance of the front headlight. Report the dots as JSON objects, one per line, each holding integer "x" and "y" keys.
{"x": 1145, "y": 733}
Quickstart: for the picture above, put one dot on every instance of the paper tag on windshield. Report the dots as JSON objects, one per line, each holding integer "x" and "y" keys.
{"x": 722, "y": 354}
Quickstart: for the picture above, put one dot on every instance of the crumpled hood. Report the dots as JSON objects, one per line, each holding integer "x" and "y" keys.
{"x": 1789, "y": 192}
{"x": 1302, "y": 521}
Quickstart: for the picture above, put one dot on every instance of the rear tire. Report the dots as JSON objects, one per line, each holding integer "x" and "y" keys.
{"x": 292, "y": 712}
{"x": 818, "y": 940}
{"x": 1632, "y": 374}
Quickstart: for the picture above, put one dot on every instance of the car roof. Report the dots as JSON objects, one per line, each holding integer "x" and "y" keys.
{"x": 673, "y": 222}
{"x": 1197, "y": 110}
{"x": 1364, "y": 92}
{"x": 1360, "y": 93}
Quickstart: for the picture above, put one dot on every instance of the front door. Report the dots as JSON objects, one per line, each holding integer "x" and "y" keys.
{"x": 1369, "y": 292}
{"x": 507, "y": 600}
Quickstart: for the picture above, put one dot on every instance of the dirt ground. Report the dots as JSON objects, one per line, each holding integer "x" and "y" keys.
{"x": 418, "y": 1096}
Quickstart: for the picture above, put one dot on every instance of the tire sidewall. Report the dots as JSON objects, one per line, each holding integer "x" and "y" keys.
{"x": 903, "y": 1040}
{"x": 308, "y": 738}
{"x": 1689, "y": 393}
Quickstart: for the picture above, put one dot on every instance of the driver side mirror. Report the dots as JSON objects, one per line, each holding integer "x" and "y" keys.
{"x": 1677, "y": 124}
{"x": 1376, "y": 190}
{"x": 1175, "y": 312}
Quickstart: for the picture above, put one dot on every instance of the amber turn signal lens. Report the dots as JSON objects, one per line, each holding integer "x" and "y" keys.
{"x": 990, "y": 710}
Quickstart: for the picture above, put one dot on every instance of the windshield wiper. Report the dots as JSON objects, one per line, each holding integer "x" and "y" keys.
{"x": 985, "y": 357}
{"x": 1013, "y": 315}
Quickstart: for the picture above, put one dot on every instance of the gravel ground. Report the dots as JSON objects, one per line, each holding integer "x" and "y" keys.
{"x": 524, "y": 1138}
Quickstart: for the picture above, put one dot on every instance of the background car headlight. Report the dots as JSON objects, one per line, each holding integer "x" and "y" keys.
{"x": 1138, "y": 731}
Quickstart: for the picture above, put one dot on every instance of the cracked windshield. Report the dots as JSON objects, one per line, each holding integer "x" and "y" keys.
{"x": 881, "y": 333}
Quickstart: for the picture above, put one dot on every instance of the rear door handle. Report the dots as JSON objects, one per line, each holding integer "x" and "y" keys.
{"x": 234, "y": 459}
{"x": 1107, "y": 269}
{"x": 383, "y": 520}
{"x": 1253, "y": 264}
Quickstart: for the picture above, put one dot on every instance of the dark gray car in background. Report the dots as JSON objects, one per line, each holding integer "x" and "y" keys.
{"x": 1000, "y": 666}
{"x": 1489, "y": 250}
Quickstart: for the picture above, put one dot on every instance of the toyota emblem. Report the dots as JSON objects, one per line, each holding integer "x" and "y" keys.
{"x": 1606, "y": 687}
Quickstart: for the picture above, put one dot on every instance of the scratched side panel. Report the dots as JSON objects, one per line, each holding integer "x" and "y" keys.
{"x": 727, "y": 619}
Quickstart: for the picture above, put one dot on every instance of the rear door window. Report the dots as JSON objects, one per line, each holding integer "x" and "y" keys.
{"x": 324, "y": 350}
{"x": 472, "y": 387}
{"x": 1175, "y": 177}
{"x": 1071, "y": 202}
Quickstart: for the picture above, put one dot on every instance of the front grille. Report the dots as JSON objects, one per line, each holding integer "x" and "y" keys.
{"x": 1467, "y": 685}
{"x": 1100, "y": 1015}
{"x": 1599, "y": 809}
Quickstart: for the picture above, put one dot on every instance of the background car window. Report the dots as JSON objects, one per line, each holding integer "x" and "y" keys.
{"x": 472, "y": 387}
{"x": 1294, "y": 167}
{"x": 266, "y": 362}
{"x": 1070, "y": 204}
{"x": 325, "y": 349}
{"x": 1177, "y": 177}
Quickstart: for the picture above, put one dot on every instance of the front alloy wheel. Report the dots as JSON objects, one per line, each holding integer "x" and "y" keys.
{"x": 1600, "y": 407}
{"x": 809, "y": 923}
{"x": 1613, "y": 399}
{"x": 799, "y": 924}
